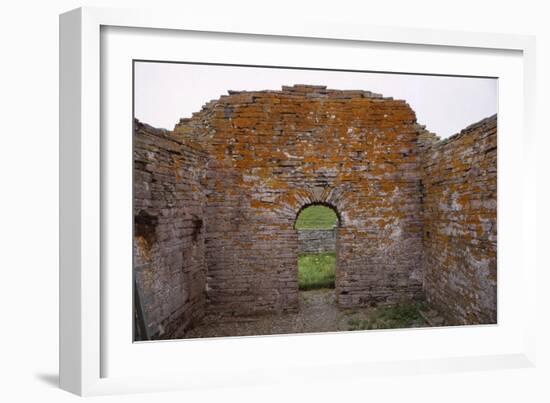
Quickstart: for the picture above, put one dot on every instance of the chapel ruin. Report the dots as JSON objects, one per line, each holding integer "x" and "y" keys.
{"x": 215, "y": 201}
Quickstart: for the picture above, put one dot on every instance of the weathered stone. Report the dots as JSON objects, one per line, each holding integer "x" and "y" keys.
{"x": 169, "y": 203}
{"x": 317, "y": 240}
{"x": 216, "y": 199}
{"x": 459, "y": 222}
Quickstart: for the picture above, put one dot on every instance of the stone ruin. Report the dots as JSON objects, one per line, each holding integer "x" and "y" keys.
{"x": 216, "y": 199}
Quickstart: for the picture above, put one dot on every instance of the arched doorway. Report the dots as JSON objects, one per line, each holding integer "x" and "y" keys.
{"x": 316, "y": 225}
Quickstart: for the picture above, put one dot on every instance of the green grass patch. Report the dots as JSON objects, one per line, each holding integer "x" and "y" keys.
{"x": 316, "y": 270}
{"x": 316, "y": 217}
{"x": 397, "y": 316}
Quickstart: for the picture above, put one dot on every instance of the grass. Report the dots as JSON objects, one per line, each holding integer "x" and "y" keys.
{"x": 316, "y": 217}
{"x": 397, "y": 316}
{"x": 316, "y": 270}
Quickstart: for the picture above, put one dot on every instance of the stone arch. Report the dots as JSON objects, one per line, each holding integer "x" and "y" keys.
{"x": 320, "y": 203}
{"x": 289, "y": 204}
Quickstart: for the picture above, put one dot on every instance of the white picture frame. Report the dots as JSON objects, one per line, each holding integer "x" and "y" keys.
{"x": 84, "y": 173}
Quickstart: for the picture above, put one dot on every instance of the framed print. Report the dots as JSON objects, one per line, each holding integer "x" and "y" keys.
{"x": 237, "y": 197}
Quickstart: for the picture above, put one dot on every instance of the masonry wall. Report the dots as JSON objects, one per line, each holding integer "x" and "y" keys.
{"x": 460, "y": 231}
{"x": 216, "y": 199}
{"x": 317, "y": 240}
{"x": 169, "y": 207}
{"x": 274, "y": 152}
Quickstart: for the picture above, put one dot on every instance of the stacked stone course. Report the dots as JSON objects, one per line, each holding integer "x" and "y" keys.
{"x": 460, "y": 217}
{"x": 169, "y": 207}
{"x": 317, "y": 240}
{"x": 276, "y": 151}
{"x": 245, "y": 165}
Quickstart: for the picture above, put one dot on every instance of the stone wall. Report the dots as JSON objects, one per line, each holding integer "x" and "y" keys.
{"x": 274, "y": 152}
{"x": 317, "y": 240}
{"x": 216, "y": 200}
{"x": 169, "y": 207}
{"x": 460, "y": 231}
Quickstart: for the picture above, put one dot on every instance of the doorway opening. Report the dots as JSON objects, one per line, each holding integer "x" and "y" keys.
{"x": 316, "y": 225}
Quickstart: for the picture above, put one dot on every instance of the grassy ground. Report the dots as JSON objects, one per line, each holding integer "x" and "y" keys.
{"x": 316, "y": 217}
{"x": 316, "y": 270}
{"x": 391, "y": 317}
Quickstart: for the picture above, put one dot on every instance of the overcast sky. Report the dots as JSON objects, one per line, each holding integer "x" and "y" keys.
{"x": 166, "y": 92}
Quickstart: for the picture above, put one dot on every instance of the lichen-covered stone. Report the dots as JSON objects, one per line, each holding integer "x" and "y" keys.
{"x": 216, "y": 200}
{"x": 460, "y": 224}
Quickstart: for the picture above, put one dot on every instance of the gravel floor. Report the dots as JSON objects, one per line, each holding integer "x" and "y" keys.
{"x": 318, "y": 313}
